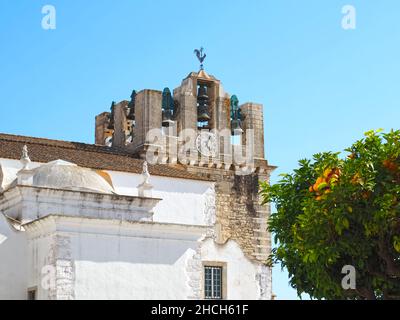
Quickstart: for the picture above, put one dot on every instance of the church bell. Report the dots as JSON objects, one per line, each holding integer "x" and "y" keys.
{"x": 167, "y": 108}
{"x": 203, "y": 104}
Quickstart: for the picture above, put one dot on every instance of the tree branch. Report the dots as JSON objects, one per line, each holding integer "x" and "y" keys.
{"x": 391, "y": 269}
{"x": 366, "y": 293}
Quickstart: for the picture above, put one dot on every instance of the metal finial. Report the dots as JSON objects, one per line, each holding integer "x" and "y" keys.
{"x": 201, "y": 56}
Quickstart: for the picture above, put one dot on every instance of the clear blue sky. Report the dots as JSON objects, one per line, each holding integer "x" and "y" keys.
{"x": 321, "y": 86}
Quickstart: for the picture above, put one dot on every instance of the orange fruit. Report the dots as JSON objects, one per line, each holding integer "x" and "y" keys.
{"x": 327, "y": 172}
{"x": 319, "y": 180}
{"x": 355, "y": 179}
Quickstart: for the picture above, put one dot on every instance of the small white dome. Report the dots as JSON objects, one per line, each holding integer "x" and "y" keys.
{"x": 60, "y": 174}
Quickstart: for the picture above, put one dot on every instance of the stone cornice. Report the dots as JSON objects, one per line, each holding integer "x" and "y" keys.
{"x": 93, "y": 226}
{"x": 27, "y": 203}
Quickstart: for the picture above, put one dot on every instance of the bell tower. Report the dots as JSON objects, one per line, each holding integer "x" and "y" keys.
{"x": 200, "y": 102}
{"x": 200, "y": 118}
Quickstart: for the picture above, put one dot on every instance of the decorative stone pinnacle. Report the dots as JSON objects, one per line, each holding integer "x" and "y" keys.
{"x": 145, "y": 173}
{"x": 145, "y": 188}
{"x": 25, "y": 160}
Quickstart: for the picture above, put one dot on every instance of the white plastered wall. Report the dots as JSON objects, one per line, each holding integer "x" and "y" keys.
{"x": 13, "y": 262}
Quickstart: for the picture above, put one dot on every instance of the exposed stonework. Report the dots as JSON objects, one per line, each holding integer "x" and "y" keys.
{"x": 65, "y": 275}
{"x": 194, "y": 268}
{"x": 122, "y": 126}
{"x": 147, "y": 117}
{"x": 49, "y": 270}
{"x": 102, "y": 128}
{"x": 210, "y": 212}
{"x": 239, "y": 214}
{"x": 253, "y": 119}
{"x": 264, "y": 279}
{"x": 56, "y": 270}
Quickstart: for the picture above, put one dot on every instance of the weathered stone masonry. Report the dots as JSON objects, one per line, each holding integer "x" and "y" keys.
{"x": 238, "y": 211}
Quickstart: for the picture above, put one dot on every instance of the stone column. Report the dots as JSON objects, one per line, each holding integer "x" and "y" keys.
{"x": 148, "y": 115}
{"x": 185, "y": 95}
{"x": 102, "y": 131}
{"x": 120, "y": 124}
{"x": 253, "y": 119}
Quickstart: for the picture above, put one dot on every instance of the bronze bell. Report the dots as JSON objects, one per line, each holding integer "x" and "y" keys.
{"x": 168, "y": 108}
{"x": 204, "y": 116}
{"x": 203, "y": 101}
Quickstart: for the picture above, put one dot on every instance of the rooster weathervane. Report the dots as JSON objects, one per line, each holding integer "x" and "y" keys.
{"x": 201, "y": 56}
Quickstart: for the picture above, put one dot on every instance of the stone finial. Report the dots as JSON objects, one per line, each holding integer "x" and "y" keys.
{"x": 145, "y": 188}
{"x": 25, "y": 160}
{"x": 145, "y": 173}
{"x": 24, "y": 176}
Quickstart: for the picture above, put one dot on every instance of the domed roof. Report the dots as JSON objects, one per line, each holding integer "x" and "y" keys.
{"x": 66, "y": 175}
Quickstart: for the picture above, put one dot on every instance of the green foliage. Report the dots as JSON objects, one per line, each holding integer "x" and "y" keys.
{"x": 333, "y": 212}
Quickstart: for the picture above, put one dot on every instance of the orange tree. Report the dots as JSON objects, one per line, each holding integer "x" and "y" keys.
{"x": 332, "y": 212}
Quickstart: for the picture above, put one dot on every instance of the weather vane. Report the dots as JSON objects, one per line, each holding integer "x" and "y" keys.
{"x": 201, "y": 56}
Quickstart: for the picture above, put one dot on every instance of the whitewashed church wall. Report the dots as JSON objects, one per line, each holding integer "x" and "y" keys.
{"x": 148, "y": 268}
{"x": 241, "y": 273}
{"x": 118, "y": 267}
{"x": 107, "y": 262}
{"x": 183, "y": 201}
{"x": 13, "y": 262}
{"x": 41, "y": 254}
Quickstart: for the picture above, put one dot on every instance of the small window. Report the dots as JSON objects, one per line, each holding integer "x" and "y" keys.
{"x": 213, "y": 282}
{"x": 32, "y": 294}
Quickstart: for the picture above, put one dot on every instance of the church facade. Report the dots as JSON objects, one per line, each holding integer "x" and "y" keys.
{"x": 164, "y": 205}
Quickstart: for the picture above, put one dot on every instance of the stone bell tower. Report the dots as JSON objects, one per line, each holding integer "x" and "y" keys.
{"x": 218, "y": 124}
